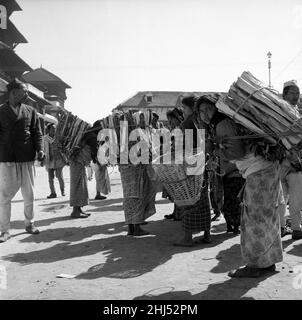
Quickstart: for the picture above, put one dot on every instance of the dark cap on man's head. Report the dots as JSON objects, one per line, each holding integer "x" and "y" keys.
{"x": 291, "y": 83}
{"x": 15, "y": 84}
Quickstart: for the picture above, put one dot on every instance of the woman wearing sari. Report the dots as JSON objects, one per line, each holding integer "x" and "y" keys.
{"x": 138, "y": 190}
{"x": 81, "y": 158}
{"x": 175, "y": 118}
{"x": 196, "y": 217}
{"x": 261, "y": 246}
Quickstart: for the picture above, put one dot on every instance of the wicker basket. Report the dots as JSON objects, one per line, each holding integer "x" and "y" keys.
{"x": 184, "y": 189}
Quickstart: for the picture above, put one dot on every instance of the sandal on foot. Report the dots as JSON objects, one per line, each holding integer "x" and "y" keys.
{"x": 99, "y": 197}
{"x": 140, "y": 233}
{"x": 85, "y": 213}
{"x": 248, "y": 272}
{"x": 245, "y": 272}
{"x": 271, "y": 268}
{"x": 79, "y": 216}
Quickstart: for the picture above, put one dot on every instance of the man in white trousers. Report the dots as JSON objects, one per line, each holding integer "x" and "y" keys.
{"x": 291, "y": 176}
{"x": 20, "y": 140}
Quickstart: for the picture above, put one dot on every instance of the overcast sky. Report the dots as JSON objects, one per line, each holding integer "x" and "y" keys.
{"x": 107, "y": 50}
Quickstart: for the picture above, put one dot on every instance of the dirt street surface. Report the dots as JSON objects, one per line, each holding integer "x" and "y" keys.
{"x": 107, "y": 264}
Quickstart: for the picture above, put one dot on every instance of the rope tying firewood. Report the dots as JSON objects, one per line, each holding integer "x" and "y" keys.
{"x": 251, "y": 95}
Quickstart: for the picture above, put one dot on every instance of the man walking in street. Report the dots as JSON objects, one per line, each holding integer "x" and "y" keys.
{"x": 291, "y": 176}
{"x": 54, "y": 162}
{"x": 20, "y": 140}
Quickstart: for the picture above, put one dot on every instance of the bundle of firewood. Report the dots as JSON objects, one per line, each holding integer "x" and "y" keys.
{"x": 71, "y": 129}
{"x": 262, "y": 111}
{"x": 69, "y": 133}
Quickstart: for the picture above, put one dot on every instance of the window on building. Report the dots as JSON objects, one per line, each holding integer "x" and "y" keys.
{"x": 149, "y": 98}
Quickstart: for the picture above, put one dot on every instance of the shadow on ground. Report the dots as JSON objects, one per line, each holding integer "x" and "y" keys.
{"x": 296, "y": 249}
{"x": 74, "y": 234}
{"x": 19, "y": 224}
{"x": 228, "y": 259}
{"x": 54, "y": 207}
{"x": 232, "y": 289}
{"x": 126, "y": 257}
{"x": 102, "y": 208}
{"x": 141, "y": 255}
{"x": 93, "y": 202}
{"x": 21, "y": 200}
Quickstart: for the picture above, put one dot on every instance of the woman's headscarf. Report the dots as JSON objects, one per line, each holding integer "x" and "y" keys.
{"x": 147, "y": 114}
{"x": 176, "y": 113}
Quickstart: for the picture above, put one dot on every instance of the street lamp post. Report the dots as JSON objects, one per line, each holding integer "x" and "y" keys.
{"x": 269, "y": 56}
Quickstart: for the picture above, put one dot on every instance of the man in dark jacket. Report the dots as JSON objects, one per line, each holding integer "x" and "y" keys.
{"x": 20, "y": 140}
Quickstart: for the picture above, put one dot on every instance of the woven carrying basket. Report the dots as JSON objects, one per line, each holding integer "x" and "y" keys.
{"x": 183, "y": 189}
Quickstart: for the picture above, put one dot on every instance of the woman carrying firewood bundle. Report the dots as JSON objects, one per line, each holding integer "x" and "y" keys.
{"x": 138, "y": 190}
{"x": 85, "y": 152}
{"x": 261, "y": 246}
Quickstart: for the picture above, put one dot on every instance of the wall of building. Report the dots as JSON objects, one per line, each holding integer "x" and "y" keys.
{"x": 161, "y": 111}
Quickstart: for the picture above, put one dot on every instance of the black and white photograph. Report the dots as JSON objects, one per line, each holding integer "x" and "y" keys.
{"x": 150, "y": 150}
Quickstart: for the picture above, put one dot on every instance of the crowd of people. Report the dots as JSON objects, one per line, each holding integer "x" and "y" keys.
{"x": 21, "y": 143}
{"x": 251, "y": 191}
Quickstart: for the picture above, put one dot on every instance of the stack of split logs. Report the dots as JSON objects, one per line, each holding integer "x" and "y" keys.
{"x": 69, "y": 133}
{"x": 114, "y": 121}
{"x": 262, "y": 111}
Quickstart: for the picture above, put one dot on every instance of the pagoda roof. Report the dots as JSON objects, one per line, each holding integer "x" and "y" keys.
{"x": 45, "y": 78}
{"x": 11, "y": 6}
{"x": 11, "y": 63}
{"x": 11, "y": 35}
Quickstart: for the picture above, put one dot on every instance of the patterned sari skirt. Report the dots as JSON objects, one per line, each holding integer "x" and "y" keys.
{"x": 197, "y": 217}
{"x": 261, "y": 244}
{"x": 78, "y": 185}
{"x": 102, "y": 179}
{"x": 139, "y": 193}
